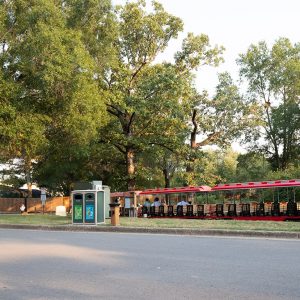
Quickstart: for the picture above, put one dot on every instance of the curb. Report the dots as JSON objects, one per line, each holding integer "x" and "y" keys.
{"x": 172, "y": 231}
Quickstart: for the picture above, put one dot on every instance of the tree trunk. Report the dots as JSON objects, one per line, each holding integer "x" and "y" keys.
{"x": 167, "y": 178}
{"x": 193, "y": 140}
{"x": 193, "y": 144}
{"x": 272, "y": 135}
{"x": 167, "y": 183}
{"x": 28, "y": 176}
{"x": 130, "y": 156}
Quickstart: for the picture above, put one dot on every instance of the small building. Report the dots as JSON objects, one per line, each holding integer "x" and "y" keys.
{"x": 128, "y": 201}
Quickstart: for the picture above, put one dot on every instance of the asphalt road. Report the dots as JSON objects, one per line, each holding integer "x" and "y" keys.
{"x": 84, "y": 265}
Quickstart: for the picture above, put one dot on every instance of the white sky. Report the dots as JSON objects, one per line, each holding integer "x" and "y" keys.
{"x": 235, "y": 24}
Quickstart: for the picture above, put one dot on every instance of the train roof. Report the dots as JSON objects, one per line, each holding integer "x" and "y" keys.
{"x": 177, "y": 190}
{"x": 257, "y": 185}
{"x": 125, "y": 194}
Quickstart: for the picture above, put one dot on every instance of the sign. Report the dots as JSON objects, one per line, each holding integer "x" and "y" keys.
{"x": 127, "y": 203}
{"x": 78, "y": 212}
{"x": 43, "y": 195}
{"x": 90, "y": 212}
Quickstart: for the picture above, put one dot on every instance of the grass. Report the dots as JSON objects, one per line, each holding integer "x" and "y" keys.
{"x": 46, "y": 219}
{"x": 212, "y": 224}
{"x": 35, "y": 219}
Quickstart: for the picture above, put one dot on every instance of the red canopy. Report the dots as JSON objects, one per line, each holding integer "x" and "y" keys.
{"x": 124, "y": 194}
{"x": 257, "y": 185}
{"x": 177, "y": 190}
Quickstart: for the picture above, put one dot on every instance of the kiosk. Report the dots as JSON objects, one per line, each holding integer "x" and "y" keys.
{"x": 91, "y": 206}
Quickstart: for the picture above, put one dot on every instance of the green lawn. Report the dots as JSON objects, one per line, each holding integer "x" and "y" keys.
{"x": 35, "y": 219}
{"x": 211, "y": 224}
{"x": 40, "y": 219}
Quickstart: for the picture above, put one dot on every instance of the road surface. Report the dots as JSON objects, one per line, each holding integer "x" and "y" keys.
{"x": 84, "y": 265}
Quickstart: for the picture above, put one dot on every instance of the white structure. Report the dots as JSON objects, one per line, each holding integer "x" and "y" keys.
{"x": 60, "y": 211}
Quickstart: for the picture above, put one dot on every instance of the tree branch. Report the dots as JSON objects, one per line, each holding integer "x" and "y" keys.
{"x": 212, "y": 137}
{"x": 195, "y": 129}
{"x": 162, "y": 145}
{"x": 112, "y": 109}
{"x": 119, "y": 147}
{"x": 130, "y": 122}
{"x": 136, "y": 72}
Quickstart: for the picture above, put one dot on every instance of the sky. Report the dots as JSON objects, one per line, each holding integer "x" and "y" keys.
{"x": 234, "y": 24}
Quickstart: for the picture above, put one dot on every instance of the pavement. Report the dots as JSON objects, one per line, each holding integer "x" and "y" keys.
{"x": 172, "y": 231}
{"x": 55, "y": 265}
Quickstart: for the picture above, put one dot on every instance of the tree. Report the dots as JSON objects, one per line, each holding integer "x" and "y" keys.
{"x": 141, "y": 95}
{"x": 158, "y": 165}
{"x": 252, "y": 166}
{"x": 54, "y": 76}
{"x": 97, "y": 24}
{"x": 273, "y": 77}
{"x": 209, "y": 168}
{"x": 147, "y": 101}
{"x": 218, "y": 120}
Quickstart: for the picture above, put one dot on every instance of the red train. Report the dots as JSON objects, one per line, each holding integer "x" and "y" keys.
{"x": 266, "y": 200}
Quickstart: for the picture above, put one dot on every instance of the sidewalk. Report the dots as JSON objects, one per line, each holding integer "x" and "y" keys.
{"x": 175, "y": 231}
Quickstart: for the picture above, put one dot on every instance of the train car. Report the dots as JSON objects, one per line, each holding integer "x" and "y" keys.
{"x": 180, "y": 202}
{"x": 265, "y": 200}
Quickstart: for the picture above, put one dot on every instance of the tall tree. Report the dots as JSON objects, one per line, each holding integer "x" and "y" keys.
{"x": 273, "y": 76}
{"x": 138, "y": 93}
{"x": 218, "y": 120}
{"x": 147, "y": 101}
{"x": 54, "y": 75}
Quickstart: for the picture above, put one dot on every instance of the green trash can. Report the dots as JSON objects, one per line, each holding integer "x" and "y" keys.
{"x": 77, "y": 208}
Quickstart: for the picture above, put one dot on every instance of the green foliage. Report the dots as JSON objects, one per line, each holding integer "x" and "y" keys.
{"x": 210, "y": 168}
{"x": 157, "y": 167}
{"x": 219, "y": 121}
{"x": 252, "y": 167}
{"x": 54, "y": 101}
{"x": 82, "y": 97}
{"x": 147, "y": 101}
{"x": 273, "y": 76}
{"x": 227, "y": 116}
{"x": 196, "y": 51}
{"x": 291, "y": 172}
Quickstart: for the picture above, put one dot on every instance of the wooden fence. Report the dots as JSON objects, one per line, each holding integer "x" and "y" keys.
{"x": 34, "y": 205}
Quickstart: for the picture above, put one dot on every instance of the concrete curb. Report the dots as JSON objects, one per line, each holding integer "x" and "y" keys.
{"x": 174, "y": 231}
